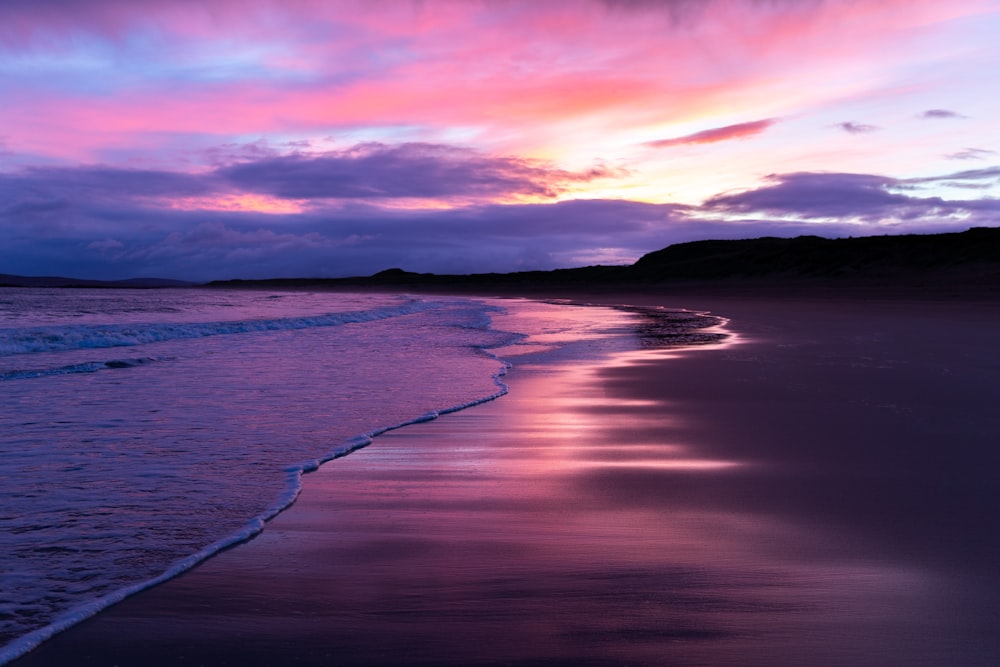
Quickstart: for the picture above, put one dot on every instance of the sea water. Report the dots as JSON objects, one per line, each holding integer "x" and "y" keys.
{"x": 142, "y": 431}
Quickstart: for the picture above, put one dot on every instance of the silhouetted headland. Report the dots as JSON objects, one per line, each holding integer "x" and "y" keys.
{"x": 962, "y": 260}
{"x": 968, "y": 260}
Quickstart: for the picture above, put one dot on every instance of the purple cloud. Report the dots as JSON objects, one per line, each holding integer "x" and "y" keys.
{"x": 406, "y": 170}
{"x": 229, "y": 154}
{"x": 863, "y": 198}
{"x": 98, "y": 222}
{"x": 968, "y": 174}
{"x": 971, "y": 154}
{"x": 852, "y": 127}
{"x": 100, "y": 182}
{"x": 365, "y": 171}
{"x": 970, "y": 179}
{"x": 738, "y": 131}
{"x": 815, "y": 195}
{"x": 108, "y": 244}
{"x": 25, "y": 23}
{"x": 932, "y": 114}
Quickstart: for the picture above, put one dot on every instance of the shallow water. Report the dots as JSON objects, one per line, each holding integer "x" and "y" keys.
{"x": 144, "y": 430}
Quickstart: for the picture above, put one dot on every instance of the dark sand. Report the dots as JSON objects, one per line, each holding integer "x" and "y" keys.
{"x": 822, "y": 493}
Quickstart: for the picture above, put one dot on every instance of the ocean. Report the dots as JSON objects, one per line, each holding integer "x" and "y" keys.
{"x": 143, "y": 431}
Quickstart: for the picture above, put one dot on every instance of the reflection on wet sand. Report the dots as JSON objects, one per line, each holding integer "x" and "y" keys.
{"x": 553, "y": 522}
{"x": 751, "y": 505}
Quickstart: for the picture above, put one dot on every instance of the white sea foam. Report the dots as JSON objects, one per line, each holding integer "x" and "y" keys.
{"x": 63, "y": 621}
{"x": 27, "y": 340}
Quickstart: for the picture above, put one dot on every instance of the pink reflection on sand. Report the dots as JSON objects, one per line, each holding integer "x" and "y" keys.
{"x": 581, "y": 521}
{"x": 574, "y": 432}
{"x": 665, "y": 464}
{"x": 571, "y": 425}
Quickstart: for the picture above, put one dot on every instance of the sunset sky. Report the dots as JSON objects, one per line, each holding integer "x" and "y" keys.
{"x": 204, "y": 139}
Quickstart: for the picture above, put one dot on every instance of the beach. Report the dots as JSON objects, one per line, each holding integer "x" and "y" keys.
{"x": 820, "y": 489}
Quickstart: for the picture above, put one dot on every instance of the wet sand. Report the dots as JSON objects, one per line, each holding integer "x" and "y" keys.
{"x": 824, "y": 492}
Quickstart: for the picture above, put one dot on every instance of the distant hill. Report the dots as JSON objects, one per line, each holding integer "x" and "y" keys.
{"x": 970, "y": 258}
{"x": 7, "y": 280}
{"x": 974, "y": 251}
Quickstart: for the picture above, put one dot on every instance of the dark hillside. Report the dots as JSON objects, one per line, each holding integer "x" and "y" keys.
{"x": 815, "y": 257}
{"x": 956, "y": 260}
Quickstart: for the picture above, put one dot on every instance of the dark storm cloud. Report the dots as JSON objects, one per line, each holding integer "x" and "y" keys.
{"x": 407, "y": 170}
{"x": 738, "y": 131}
{"x": 852, "y": 127}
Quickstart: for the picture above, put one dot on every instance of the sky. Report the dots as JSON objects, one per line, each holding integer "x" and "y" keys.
{"x": 213, "y": 139}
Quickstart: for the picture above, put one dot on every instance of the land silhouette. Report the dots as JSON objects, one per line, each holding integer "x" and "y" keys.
{"x": 969, "y": 259}
{"x": 959, "y": 260}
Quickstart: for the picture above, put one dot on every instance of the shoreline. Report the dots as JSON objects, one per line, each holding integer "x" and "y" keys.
{"x": 702, "y": 451}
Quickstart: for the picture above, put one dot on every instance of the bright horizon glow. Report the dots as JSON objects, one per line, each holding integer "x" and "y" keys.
{"x": 457, "y": 136}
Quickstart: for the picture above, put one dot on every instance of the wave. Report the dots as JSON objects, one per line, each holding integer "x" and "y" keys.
{"x": 31, "y": 340}
{"x": 294, "y": 473}
{"x": 83, "y": 367}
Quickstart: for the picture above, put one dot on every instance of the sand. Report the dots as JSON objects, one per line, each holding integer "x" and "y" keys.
{"x": 823, "y": 491}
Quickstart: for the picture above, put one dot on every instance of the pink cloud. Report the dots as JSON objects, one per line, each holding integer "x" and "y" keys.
{"x": 727, "y": 133}
{"x": 506, "y": 70}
